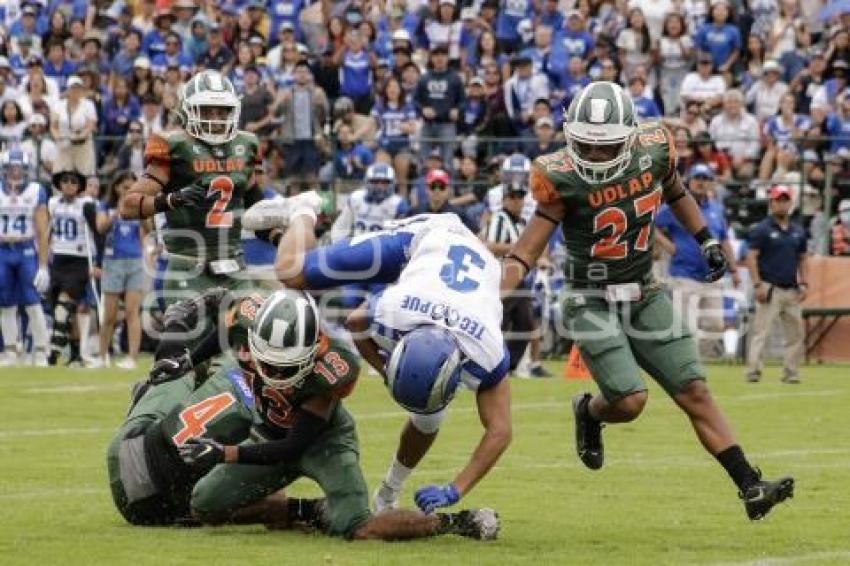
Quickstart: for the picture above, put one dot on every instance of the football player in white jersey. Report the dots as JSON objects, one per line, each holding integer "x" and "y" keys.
{"x": 366, "y": 210}
{"x": 436, "y": 324}
{"x": 74, "y": 249}
{"x": 23, "y": 256}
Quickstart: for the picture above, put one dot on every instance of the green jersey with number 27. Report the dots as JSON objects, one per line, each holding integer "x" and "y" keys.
{"x": 609, "y": 228}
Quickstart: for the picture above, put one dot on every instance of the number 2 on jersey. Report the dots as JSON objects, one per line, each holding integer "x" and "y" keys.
{"x": 217, "y": 217}
{"x": 196, "y": 417}
{"x": 610, "y": 247}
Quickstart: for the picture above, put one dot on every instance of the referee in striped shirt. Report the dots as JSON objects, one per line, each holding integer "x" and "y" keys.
{"x": 518, "y": 320}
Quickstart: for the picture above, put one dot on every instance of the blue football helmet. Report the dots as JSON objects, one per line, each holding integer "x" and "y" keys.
{"x": 380, "y": 182}
{"x": 423, "y": 371}
{"x": 515, "y": 171}
{"x": 15, "y": 165}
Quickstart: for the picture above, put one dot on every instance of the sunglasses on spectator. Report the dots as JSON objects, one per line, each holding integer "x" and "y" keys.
{"x": 438, "y": 187}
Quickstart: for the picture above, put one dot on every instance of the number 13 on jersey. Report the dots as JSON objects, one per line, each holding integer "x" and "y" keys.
{"x": 610, "y": 246}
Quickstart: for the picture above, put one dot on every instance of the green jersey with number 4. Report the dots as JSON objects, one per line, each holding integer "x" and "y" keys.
{"x": 225, "y": 171}
{"x": 609, "y": 227}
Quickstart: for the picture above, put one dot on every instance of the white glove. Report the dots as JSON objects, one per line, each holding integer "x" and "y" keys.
{"x": 41, "y": 281}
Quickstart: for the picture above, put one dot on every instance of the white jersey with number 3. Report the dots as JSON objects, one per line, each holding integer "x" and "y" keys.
{"x": 451, "y": 280}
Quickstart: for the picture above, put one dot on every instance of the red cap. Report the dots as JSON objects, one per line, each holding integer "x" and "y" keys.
{"x": 779, "y": 191}
{"x": 437, "y": 176}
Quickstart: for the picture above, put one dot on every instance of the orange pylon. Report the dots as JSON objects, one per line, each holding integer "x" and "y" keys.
{"x": 575, "y": 368}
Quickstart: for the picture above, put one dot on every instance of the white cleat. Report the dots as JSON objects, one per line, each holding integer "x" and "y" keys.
{"x": 487, "y": 522}
{"x": 267, "y": 214}
{"x": 309, "y": 201}
{"x": 126, "y": 363}
{"x": 8, "y": 359}
{"x": 384, "y": 499}
{"x": 96, "y": 363}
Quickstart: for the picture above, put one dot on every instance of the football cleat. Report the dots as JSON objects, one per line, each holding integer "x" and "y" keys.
{"x": 480, "y": 524}
{"x": 588, "y": 434}
{"x": 267, "y": 214}
{"x": 539, "y": 371}
{"x": 385, "y": 498}
{"x": 39, "y": 359}
{"x": 126, "y": 364}
{"x": 792, "y": 378}
{"x": 760, "y": 497}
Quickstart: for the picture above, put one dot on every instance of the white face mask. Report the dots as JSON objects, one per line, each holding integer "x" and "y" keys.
{"x": 845, "y": 217}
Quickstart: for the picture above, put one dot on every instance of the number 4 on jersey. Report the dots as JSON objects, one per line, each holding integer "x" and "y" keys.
{"x": 610, "y": 247}
{"x": 196, "y": 417}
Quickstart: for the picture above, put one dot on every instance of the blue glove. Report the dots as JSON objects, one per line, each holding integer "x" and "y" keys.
{"x": 431, "y": 497}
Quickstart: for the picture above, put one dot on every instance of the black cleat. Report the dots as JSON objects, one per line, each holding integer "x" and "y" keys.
{"x": 760, "y": 497}
{"x": 588, "y": 434}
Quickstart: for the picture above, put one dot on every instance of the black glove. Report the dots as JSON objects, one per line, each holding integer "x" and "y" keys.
{"x": 716, "y": 259}
{"x": 201, "y": 452}
{"x": 171, "y": 368}
{"x": 193, "y": 197}
{"x": 183, "y": 315}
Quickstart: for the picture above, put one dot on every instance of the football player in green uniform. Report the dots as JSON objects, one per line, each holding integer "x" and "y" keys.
{"x": 290, "y": 379}
{"x": 604, "y": 189}
{"x": 202, "y": 178}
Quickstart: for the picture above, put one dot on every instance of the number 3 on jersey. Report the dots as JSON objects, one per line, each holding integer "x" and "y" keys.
{"x": 610, "y": 247}
{"x": 455, "y": 273}
{"x": 217, "y": 217}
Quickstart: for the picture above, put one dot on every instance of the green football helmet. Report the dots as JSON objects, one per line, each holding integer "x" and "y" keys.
{"x": 210, "y": 106}
{"x": 284, "y": 338}
{"x": 600, "y": 128}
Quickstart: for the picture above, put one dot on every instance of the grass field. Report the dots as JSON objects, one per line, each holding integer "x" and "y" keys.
{"x": 659, "y": 500}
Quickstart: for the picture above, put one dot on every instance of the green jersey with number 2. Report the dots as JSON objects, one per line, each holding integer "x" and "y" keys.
{"x": 225, "y": 171}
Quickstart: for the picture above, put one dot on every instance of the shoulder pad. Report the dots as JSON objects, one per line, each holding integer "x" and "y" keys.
{"x": 555, "y": 162}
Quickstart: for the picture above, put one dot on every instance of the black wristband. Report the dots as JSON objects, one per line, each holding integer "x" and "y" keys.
{"x": 681, "y": 195}
{"x": 160, "y": 203}
{"x": 520, "y": 260}
{"x": 546, "y": 217}
{"x": 703, "y": 235}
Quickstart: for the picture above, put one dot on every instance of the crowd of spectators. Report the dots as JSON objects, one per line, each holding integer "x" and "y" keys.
{"x": 756, "y": 89}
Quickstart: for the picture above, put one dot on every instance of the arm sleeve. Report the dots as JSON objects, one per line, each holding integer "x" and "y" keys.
{"x": 371, "y": 258}
{"x": 305, "y": 431}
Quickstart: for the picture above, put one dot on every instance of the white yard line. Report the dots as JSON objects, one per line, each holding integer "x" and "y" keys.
{"x": 52, "y": 432}
{"x": 79, "y": 388}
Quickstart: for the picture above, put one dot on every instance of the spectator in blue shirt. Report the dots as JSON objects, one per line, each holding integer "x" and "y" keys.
{"x": 396, "y": 120}
{"x": 173, "y": 55}
{"x": 511, "y": 12}
{"x": 572, "y": 81}
{"x": 720, "y": 38}
{"x": 285, "y": 11}
{"x": 196, "y": 44}
{"x": 645, "y": 107}
{"x": 122, "y": 64}
{"x": 352, "y": 158}
{"x": 30, "y": 22}
{"x": 355, "y": 72}
{"x": 57, "y": 66}
{"x": 72, "y": 9}
{"x": 701, "y": 302}
{"x": 550, "y": 15}
{"x": 154, "y": 42}
{"x": 574, "y": 41}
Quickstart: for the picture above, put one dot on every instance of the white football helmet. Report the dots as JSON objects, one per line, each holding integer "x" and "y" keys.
{"x": 202, "y": 98}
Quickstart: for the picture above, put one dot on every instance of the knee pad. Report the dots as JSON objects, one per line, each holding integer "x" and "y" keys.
{"x": 62, "y": 314}
{"x": 427, "y": 424}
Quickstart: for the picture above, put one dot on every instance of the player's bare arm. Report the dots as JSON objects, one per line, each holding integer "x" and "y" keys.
{"x": 41, "y": 220}
{"x": 140, "y": 201}
{"x": 494, "y": 411}
{"x": 358, "y": 324}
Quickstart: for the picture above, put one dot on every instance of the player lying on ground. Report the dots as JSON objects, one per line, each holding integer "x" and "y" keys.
{"x": 604, "y": 189}
{"x": 294, "y": 378}
{"x": 437, "y": 324}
